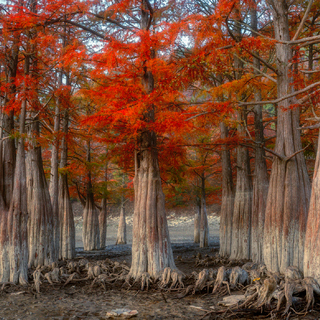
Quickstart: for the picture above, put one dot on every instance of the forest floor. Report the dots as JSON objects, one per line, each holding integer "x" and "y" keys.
{"x": 81, "y": 300}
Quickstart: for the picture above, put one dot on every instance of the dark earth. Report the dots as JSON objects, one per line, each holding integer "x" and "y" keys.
{"x": 81, "y": 300}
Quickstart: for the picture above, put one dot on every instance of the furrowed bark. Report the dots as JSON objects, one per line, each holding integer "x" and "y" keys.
{"x": 289, "y": 189}
{"x": 122, "y": 229}
{"x": 204, "y": 227}
{"x": 228, "y": 194}
{"x": 151, "y": 246}
{"x": 8, "y": 146}
{"x": 90, "y": 229}
{"x": 67, "y": 230}
{"x": 14, "y": 245}
{"x": 54, "y": 173}
{"x": 311, "y": 265}
{"x": 261, "y": 179}
{"x": 196, "y": 233}
{"x": 42, "y": 250}
{"x": 104, "y": 212}
{"x": 241, "y": 221}
{"x": 103, "y": 223}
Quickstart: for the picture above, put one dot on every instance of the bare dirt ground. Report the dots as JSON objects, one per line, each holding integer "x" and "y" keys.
{"x": 82, "y": 300}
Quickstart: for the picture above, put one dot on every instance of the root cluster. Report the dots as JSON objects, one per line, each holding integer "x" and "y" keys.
{"x": 260, "y": 291}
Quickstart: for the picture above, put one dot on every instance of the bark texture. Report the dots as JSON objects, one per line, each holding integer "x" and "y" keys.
{"x": 261, "y": 179}
{"x": 204, "y": 227}
{"x": 67, "y": 230}
{"x": 54, "y": 175}
{"x": 241, "y": 221}
{"x": 13, "y": 228}
{"x": 122, "y": 228}
{"x": 311, "y": 266}
{"x": 103, "y": 223}
{"x": 151, "y": 247}
{"x": 289, "y": 189}
{"x": 90, "y": 229}
{"x": 228, "y": 194}
{"x": 196, "y": 232}
{"x": 42, "y": 250}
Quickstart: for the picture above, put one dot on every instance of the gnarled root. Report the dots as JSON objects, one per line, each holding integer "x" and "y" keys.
{"x": 145, "y": 281}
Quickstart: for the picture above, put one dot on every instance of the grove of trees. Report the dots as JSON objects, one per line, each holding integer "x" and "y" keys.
{"x": 172, "y": 99}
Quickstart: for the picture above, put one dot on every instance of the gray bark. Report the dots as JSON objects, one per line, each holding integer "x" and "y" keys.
{"x": 311, "y": 265}
{"x": 13, "y": 229}
{"x": 196, "y": 233}
{"x": 228, "y": 194}
{"x": 122, "y": 228}
{"x": 90, "y": 229}
{"x": 67, "y": 230}
{"x": 261, "y": 179}
{"x": 151, "y": 246}
{"x": 289, "y": 189}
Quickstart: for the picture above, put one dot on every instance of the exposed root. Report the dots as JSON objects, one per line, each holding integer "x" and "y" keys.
{"x": 145, "y": 281}
{"x": 36, "y": 278}
{"x": 238, "y": 277}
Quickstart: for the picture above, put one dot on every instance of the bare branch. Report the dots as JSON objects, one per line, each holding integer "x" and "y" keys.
{"x": 303, "y": 21}
{"x": 282, "y": 98}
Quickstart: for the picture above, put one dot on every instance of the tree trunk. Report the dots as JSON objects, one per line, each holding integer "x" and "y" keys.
{"x": 151, "y": 247}
{"x": 261, "y": 179}
{"x": 40, "y": 224}
{"x": 90, "y": 229}
{"x": 197, "y": 216}
{"x": 227, "y": 203}
{"x": 54, "y": 174}
{"x": 289, "y": 190}
{"x": 104, "y": 211}
{"x": 13, "y": 229}
{"x": 8, "y": 145}
{"x": 311, "y": 265}
{"x": 8, "y": 158}
{"x": 67, "y": 230}
{"x": 241, "y": 222}
{"x": 204, "y": 227}
{"x": 103, "y": 223}
{"x": 122, "y": 229}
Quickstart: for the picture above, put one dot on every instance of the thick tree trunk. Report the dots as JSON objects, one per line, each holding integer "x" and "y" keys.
{"x": 289, "y": 190}
{"x": 151, "y": 247}
{"x": 197, "y": 215}
{"x": 40, "y": 224}
{"x": 227, "y": 203}
{"x": 13, "y": 228}
{"x": 90, "y": 229}
{"x": 8, "y": 158}
{"x": 260, "y": 191}
{"x": 103, "y": 223}
{"x": 311, "y": 265}
{"x": 261, "y": 179}
{"x": 241, "y": 222}
{"x": 122, "y": 228}
{"x": 54, "y": 175}
{"x": 67, "y": 230}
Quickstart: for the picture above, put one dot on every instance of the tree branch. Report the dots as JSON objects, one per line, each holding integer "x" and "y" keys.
{"x": 303, "y": 21}
{"x": 282, "y": 98}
